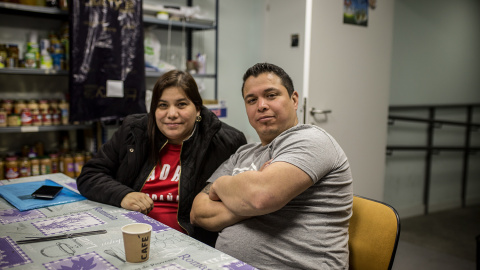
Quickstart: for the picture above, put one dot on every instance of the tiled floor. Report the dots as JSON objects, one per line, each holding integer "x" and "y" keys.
{"x": 442, "y": 240}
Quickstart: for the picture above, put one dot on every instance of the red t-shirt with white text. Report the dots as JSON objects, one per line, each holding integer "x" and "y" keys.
{"x": 162, "y": 187}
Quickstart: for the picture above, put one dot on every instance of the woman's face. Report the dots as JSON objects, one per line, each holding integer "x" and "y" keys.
{"x": 175, "y": 115}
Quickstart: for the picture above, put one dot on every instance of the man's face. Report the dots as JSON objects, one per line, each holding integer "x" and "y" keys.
{"x": 269, "y": 109}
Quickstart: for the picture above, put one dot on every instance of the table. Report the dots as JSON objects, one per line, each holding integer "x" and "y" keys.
{"x": 169, "y": 249}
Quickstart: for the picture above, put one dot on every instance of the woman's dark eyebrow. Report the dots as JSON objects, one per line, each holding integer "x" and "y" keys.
{"x": 178, "y": 100}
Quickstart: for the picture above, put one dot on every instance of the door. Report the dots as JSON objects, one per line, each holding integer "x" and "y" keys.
{"x": 349, "y": 74}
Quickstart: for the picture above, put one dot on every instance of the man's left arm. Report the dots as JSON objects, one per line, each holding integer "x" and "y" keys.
{"x": 255, "y": 193}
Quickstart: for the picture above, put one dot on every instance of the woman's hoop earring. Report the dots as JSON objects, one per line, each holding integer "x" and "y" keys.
{"x": 198, "y": 119}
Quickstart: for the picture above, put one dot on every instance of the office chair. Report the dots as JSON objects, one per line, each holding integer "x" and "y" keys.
{"x": 373, "y": 235}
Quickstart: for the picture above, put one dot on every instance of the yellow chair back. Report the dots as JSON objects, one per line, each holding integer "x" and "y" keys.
{"x": 373, "y": 235}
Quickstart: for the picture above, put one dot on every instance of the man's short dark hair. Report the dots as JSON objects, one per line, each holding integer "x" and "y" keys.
{"x": 261, "y": 68}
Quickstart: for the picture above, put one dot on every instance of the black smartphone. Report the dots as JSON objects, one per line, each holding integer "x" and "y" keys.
{"x": 46, "y": 192}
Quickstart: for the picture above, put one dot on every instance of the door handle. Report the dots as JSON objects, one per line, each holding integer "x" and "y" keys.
{"x": 314, "y": 111}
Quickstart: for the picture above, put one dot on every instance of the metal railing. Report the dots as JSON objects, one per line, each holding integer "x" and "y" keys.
{"x": 432, "y": 122}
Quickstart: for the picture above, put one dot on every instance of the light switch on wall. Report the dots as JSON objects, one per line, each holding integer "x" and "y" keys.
{"x": 294, "y": 42}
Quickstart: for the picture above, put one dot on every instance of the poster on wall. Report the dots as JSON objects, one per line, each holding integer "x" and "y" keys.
{"x": 355, "y": 12}
{"x": 107, "y": 66}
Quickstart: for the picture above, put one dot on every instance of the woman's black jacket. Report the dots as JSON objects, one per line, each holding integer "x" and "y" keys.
{"x": 122, "y": 164}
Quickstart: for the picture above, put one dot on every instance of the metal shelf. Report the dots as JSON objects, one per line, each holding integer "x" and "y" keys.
{"x": 26, "y": 10}
{"x": 26, "y": 129}
{"x": 156, "y": 74}
{"x": 32, "y": 71}
{"x": 178, "y": 25}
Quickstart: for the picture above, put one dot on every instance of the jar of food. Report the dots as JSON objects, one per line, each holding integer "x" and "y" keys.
{"x": 64, "y": 111}
{"x": 33, "y": 105}
{"x": 13, "y": 55}
{"x": 79, "y": 161}
{"x": 25, "y": 167}
{"x": 68, "y": 166}
{"x": 25, "y": 150}
{"x": 11, "y": 168}
{"x": 55, "y": 163}
{"x": 43, "y": 105}
{"x": 46, "y": 117}
{"x": 2, "y": 169}
{"x": 18, "y": 106}
{"x": 60, "y": 163}
{"x": 88, "y": 156}
{"x": 13, "y": 120}
{"x": 39, "y": 148}
{"x": 36, "y": 117}
{"x": 54, "y": 104}
{"x": 3, "y": 117}
{"x": 45, "y": 165}
{"x": 55, "y": 117}
{"x": 3, "y": 55}
{"x": 7, "y": 104}
{"x": 26, "y": 117}
{"x": 35, "y": 162}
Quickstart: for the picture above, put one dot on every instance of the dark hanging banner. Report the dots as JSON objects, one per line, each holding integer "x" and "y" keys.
{"x": 107, "y": 68}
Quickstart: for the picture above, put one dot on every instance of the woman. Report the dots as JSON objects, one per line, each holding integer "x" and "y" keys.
{"x": 156, "y": 163}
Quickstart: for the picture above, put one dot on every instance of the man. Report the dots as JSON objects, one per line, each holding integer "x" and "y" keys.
{"x": 284, "y": 203}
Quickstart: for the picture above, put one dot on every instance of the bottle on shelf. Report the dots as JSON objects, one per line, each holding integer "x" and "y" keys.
{"x": 3, "y": 55}
{"x": 46, "y": 61}
{"x": 12, "y": 59}
{"x": 32, "y": 54}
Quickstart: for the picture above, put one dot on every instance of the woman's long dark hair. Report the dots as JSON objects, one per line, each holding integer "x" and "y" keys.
{"x": 173, "y": 78}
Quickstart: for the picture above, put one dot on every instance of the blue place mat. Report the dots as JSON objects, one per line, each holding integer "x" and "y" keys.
{"x": 19, "y": 195}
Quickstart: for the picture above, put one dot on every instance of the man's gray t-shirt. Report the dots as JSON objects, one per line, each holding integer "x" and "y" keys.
{"x": 311, "y": 231}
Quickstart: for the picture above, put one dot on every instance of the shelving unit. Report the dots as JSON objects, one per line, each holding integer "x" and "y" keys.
{"x": 190, "y": 28}
{"x": 29, "y": 83}
{"x": 46, "y": 81}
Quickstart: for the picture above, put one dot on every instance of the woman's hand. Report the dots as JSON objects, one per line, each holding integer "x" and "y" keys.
{"x": 137, "y": 201}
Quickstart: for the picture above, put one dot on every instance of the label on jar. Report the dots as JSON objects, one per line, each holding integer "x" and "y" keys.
{"x": 26, "y": 117}
{"x": 35, "y": 169}
{"x": 3, "y": 119}
{"x": 11, "y": 173}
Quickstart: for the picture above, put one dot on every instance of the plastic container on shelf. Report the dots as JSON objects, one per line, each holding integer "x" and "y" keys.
{"x": 32, "y": 54}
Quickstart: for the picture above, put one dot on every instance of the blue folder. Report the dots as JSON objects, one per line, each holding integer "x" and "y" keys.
{"x": 19, "y": 195}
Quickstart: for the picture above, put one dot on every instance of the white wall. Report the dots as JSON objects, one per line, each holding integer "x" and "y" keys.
{"x": 435, "y": 60}
{"x": 436, "y": 55}
{"x": 240, "y": 43}
{"x": 350, "y": 75}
